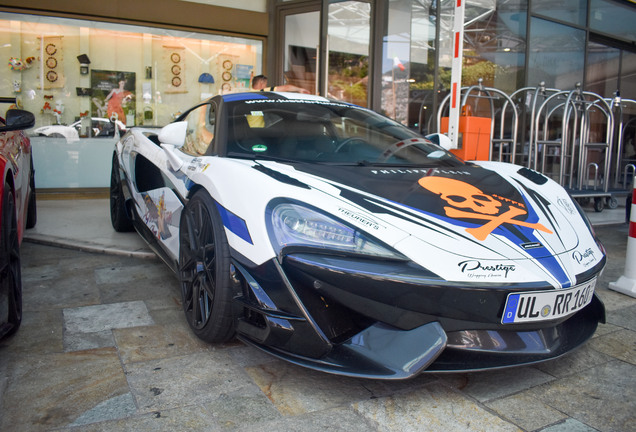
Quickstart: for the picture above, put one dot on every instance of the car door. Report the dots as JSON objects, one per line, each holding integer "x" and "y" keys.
{"x": 159, "y": 191}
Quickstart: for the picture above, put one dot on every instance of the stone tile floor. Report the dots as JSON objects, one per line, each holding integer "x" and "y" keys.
{"x": 104, "y": 347}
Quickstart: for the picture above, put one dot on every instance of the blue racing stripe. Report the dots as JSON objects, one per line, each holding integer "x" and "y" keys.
{"x": 234, "y": 223}
{"x": 550, "y": 263}
{"x": 243, "y": 96}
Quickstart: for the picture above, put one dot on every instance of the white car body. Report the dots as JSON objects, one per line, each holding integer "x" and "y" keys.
{"x": 449, "y": 253}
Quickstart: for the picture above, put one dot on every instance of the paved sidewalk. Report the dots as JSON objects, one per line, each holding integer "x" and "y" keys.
{"x": 83, "y": 225}
{"x": 104, "y": 347}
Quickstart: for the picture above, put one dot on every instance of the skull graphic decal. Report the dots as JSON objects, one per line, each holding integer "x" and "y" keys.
{"x": 468, "y": 202}
{"x": 461, "y": 194}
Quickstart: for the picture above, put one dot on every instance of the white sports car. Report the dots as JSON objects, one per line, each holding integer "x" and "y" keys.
{"x": 100, "y": 127}
{"x": 330, "y": 236}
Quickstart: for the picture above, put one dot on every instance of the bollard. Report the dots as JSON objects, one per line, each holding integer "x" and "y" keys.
{"x": 626, "y": 284}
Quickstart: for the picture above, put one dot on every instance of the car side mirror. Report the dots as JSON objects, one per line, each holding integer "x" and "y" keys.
{"x": 174, "y": 134}
{"x": 18, "y": 119}
{"x": 441, "y": 140}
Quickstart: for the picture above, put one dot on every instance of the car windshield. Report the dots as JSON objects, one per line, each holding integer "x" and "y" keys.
{"x": 322, "y": 131}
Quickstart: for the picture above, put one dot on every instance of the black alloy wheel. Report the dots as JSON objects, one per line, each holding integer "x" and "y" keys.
{"x": 204, "y": 270}
{"x": 118, "y": 216}
{"x": 10, "y": 277}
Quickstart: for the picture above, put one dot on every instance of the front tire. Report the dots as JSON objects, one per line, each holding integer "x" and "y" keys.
{"x": 204, "y": 270}
{"x": 118, "y": 216}
{"x": 10, "y": 276}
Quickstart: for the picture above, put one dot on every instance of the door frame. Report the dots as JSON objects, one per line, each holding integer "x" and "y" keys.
{"x": 377, "y": 23}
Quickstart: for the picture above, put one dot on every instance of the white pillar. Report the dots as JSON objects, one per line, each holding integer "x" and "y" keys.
{"x": 626, "y": 284}
{"x": 456, "y": 73}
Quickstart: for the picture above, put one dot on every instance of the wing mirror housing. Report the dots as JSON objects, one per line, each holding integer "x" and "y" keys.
{"x": 18, "y": 119}
{"x": 174, "y": 134}
{"x": 441, "y": 140}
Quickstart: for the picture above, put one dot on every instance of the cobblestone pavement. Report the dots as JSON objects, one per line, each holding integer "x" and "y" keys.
{"x": 104, "y": 346}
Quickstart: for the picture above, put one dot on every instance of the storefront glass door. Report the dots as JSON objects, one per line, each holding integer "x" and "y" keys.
{"x": 348, "y": 44}
{"x": 302, "y": 35}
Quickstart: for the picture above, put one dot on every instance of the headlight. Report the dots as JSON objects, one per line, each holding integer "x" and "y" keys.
{"x": 296, "y": 225}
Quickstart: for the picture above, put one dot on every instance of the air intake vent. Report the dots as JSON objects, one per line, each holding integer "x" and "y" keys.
{"x": 533, "y": 176}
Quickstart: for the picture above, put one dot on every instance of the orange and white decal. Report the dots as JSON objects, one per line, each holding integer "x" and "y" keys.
{"x": 468, "y": 202}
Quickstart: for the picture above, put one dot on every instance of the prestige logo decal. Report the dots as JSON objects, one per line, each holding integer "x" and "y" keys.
{"x": 566, "y": 205}
{"x": 468, "y": 202}
{"x": 586, "y": 258}
{"x": 490, "y": 270}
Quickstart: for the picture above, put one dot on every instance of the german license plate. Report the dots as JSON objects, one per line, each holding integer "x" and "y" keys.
{"x": 547, "y": 305}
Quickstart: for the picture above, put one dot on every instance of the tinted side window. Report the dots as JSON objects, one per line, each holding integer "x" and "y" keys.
{"x": 200, "y": 133}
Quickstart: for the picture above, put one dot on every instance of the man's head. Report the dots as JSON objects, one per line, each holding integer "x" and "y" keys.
{"x": 259, "y": 82}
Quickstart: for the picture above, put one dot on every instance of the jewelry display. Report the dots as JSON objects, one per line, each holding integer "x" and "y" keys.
{"x": 51, "y": 76}
{"x": 51, "y": 61}
{"x": 174, "y": 61}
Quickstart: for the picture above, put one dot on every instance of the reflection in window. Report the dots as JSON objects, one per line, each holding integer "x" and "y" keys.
{"x": 301, "y": 42}
{"x": 349, "y": 33}
{"x": 200, "y": 131}
{"x": 494, "y": 49}
{"x": 628, "y": 75}
{"x": 570, "y": 11}
{"x": 613, "y": 18}
{"x": 495, "y": 44}
{"x": 557, "y": 54}
{"x": 603, "y": 68}
{"x": 422, "y": 62}
{"x": 407, "y": 59}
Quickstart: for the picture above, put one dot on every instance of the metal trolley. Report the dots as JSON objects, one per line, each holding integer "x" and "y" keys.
{"x": 572, "y": 136}
{"x": 501, "y": 111}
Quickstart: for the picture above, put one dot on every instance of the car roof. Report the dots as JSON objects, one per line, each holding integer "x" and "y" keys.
{"x": 231, "y": 97}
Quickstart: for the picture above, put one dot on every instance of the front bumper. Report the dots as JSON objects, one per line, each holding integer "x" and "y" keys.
{"x": 391, "y": 320}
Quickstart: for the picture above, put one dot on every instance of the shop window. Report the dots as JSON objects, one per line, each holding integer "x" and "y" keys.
{"x": 88, "y": 82}
{"x": 494, "y": 52}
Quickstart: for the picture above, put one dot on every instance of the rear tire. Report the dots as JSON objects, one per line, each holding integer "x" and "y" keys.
{"x": 118, "y": 216}
{"x": 10, "y": 276}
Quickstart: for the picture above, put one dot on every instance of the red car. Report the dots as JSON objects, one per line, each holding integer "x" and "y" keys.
{"x": 17, "y": 212}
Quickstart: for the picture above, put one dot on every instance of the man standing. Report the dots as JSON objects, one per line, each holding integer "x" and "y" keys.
{"x": 259, "y": 82}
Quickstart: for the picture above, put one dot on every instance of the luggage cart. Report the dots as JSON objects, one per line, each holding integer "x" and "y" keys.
{"x": 500, "y": 140}
{"x": 527, "y": 100}
{"x": 625, "y": 167}
{"x": 580, "y": 112}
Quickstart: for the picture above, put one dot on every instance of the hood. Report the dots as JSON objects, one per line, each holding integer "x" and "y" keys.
{"x": 475, "y": 213}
